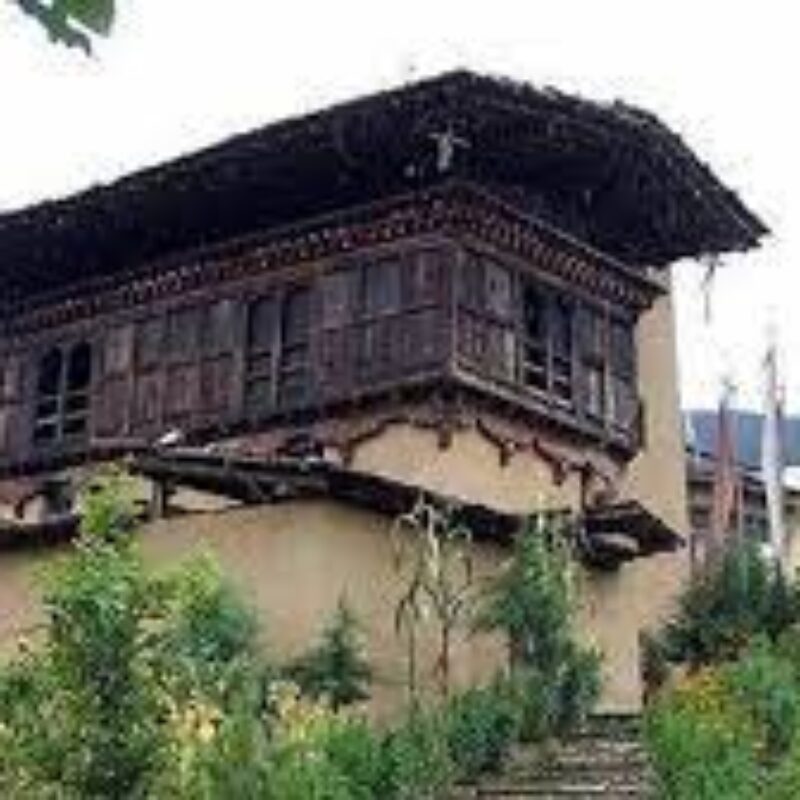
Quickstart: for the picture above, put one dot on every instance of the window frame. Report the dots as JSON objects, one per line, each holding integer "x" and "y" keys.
{"x": 577, "y": 382}
{"x": 72, "y": 405}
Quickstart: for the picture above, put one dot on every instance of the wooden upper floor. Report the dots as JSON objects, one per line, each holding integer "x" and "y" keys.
{"x": 441, "y": 292}
{"x": 459, "y": 236}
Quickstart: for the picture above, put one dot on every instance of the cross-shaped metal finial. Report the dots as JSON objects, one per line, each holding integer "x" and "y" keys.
{"x": 446, "y": 143}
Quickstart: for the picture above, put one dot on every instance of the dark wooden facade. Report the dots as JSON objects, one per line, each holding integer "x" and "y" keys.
{"x": 457, "y": 238}
{"x": 432, "y": 293}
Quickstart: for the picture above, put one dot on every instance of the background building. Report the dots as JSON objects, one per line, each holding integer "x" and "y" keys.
{"x": 751, "y": 517}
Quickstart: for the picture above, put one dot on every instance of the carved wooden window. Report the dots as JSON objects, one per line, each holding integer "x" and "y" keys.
{"x": 114, "y": 383}
{"x": 218, "y": 329}
{"x": 149, "y": 343}
{"x": 294, "y": 370}
{"x": 337, "y": 340}
{"x": 540, "y": 338}
{"x": 279, "y": 351}
{"x": 380, "y": 328}
{"x": 382, "y": 287}
{"x": 622, "y": 361}
{"x": 562, "y": 312}
{"x": 380, "y": 319}
{"x": 63, "y": 392}
{"x": 118, "y": 351}
{"x": 217, "y": 343}
{"x": 594, "y": 357}
{"x": 534, "y": 332}
{"x": 486, "y": 316}
{"x": 149, "y": 360}
{"x": 421, "y": 333}
{"x": 424, "y": 273}
{"x": 10, "y": 400}
{"x": 262, "y": 347}
{"x": 182, "y": 344}
{"x": 183, "y": 334}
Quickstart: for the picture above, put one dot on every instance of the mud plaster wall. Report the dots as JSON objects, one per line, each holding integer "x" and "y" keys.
{"x": 293, "y": 562}
{"x": 614, "y": 607}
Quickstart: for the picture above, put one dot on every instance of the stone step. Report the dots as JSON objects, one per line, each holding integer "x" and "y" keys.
{"x": 613, "y": 724}
{"x": 569, "y": 756}
{"x": 605, "y": 759}
{"x": 567, "y": 790}
{"x": 596, "y": 749}
{"x": 602, "y": 772}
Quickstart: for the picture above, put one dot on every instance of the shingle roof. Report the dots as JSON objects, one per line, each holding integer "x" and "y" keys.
{"x": 610, "y": 174}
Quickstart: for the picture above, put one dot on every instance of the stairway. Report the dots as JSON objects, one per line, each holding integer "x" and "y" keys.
{"x": 605, "y": 759}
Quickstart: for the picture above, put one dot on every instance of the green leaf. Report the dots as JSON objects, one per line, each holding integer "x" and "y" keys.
{"x": 72, "y": 22}
{"x": 96, "y": 15}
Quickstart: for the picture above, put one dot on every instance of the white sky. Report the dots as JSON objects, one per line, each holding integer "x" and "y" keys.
{"x": 181, "y": 74}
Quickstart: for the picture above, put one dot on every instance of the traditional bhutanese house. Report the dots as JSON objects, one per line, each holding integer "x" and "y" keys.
{"x": 460, "y": 287}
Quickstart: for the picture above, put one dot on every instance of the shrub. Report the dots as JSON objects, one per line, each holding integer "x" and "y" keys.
{"x": 730, "y": 729}
{"x": 534, "y": 697}
{"x": 783, "y": 782}
{"x": 207, "y": 621}
{"x": 356, "y": 751}
{"x": 336, "y": 668}
{"x": 481, "y": 725}
{"x": 217, "y": 755}
{"x": 698, "y": 760}
{"x": 300, "y": 774}
{"x": 318, "y": 752}
{"x": 530, "y": 601}
{"x": 554, "y": 681}
{"x": 81, "y": 713}
{"x": 139, "y": 685}
{"x": 417, "y": 760}
{"x": 577, "y": 688}
{"x": 737, "y": 598}
{"x": 763, "y": 684}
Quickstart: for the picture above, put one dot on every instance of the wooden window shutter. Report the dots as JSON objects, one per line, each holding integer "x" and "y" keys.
{"x": 262, "y": 343}
{"x": 337, "y": 291}
{"x": 218, "y": 329}
{"x": 183, "y": 334}
{"x": 498, "y": 292}
{"x": 118, "y": 350}
{"x": 382, "y": 287}
{"x": 294, "y": 379}
{"x": 149, "y": 343}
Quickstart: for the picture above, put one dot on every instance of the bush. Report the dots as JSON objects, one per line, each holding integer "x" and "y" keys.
{"x": 306, "y": 736}
{"x": 530, "y": 601}
{"x": 140, "y": 686}
{"x": 731, "y": 729}
{"x": 783, "y": 782}
{"x": 481, "y": 725}
{"x": 417, "y": 760}
{"x": 80, "y": 714}
{"x": 727, "y": 605}
{"x": 577, "y": 689}
{"x": 534, "y": 697}
{"x": 336, "y": 668}
{"x": 700, "y": 756}
{"x": 763, "y": 684}
{"x": 554, "y": 681}
{"x": 356, "y": 751}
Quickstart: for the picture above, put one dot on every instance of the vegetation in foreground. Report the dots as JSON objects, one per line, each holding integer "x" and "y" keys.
{"x": 727, "y": 723}
{"x": 143, "y": 685}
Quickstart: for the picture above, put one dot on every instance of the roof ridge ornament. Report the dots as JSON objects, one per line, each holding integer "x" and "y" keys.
{"x": 447, "y": 142}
